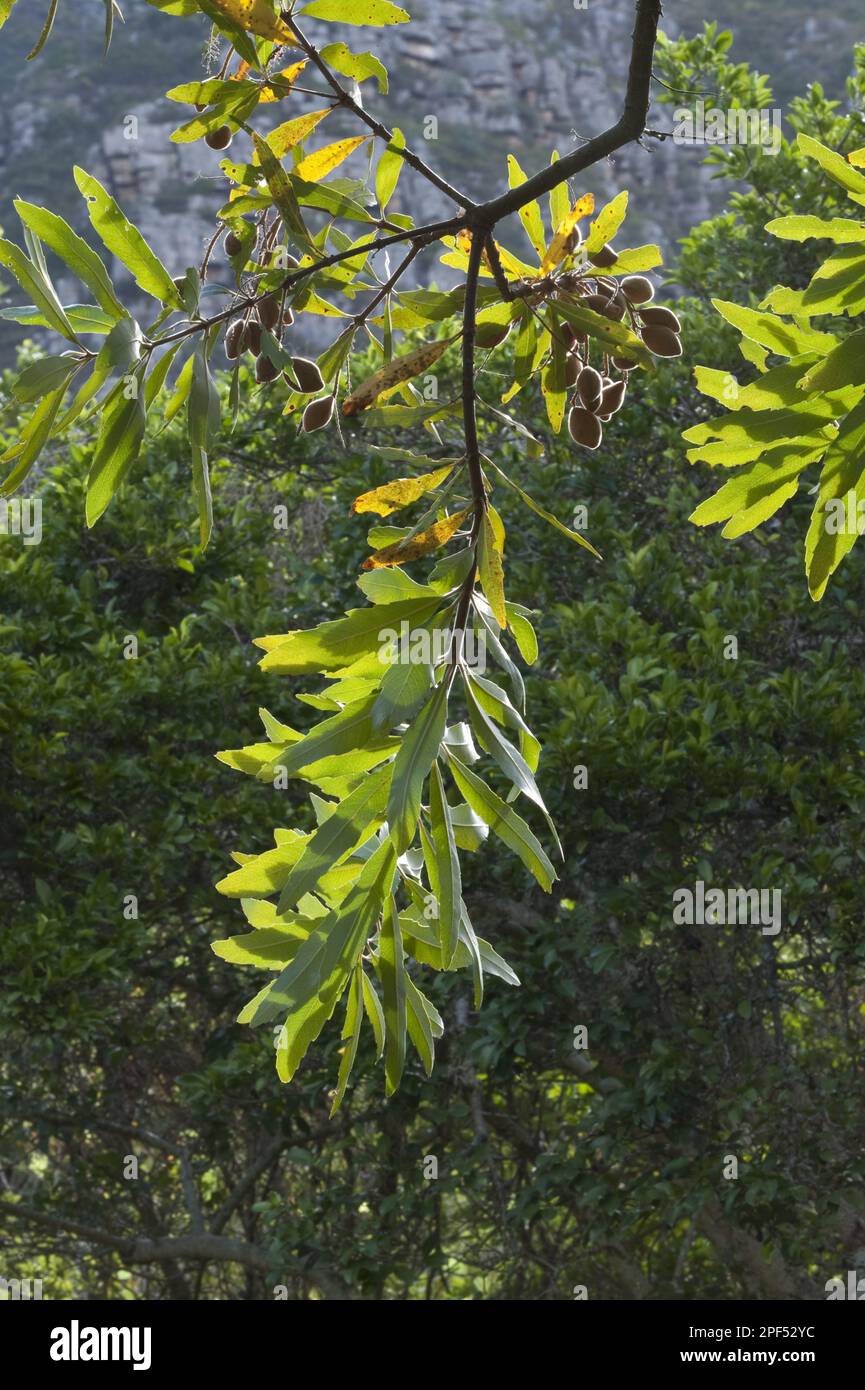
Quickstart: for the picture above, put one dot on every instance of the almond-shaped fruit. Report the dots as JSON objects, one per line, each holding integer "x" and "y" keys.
{"x": 663, "y": 317}
{"x": 590, "y": 386}
{"x": 663, "y": 342}
{"x": 584, "y": 427}
{"x": 637, "y": 289}
{"x": 317, "y": 414}
{"x": 307, "y": 375}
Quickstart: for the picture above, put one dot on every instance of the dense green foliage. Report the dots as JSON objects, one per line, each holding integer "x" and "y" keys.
{"x": 557, "y": 1167}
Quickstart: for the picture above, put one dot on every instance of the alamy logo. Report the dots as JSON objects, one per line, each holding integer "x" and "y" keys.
{"x": 737, "y": 906}
{"x": 853, "y": 1291}
{"x": 423, "y": 646}
{"x": 739, "y": 126}
{"x": 20, "y": 1290}
{"x": 77, "y": 1343}
{"x": 22, "y": 516}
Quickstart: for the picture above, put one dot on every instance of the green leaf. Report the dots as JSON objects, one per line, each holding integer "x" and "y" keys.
{"x": 310, "y": 987}
{"x": 82, "y": 318}
{"x": 271, "y": 948}
{"x": 509, "y": 759}
{"x": 754, "y": 494}
{"x": 836, "y": 165}
{"x": 347, "y": 825}
{"x": 334, "y": 645}
{"x": 355, "y": 65}
{"x": 35, "y": 436}
{"x": 491, "y": 570}
{"x": 392, "y": 972}
{"x": 844, "y": 366}
{"x": 772, "y": 332}
{"x": 443, "y": 869}
{"x": 264, "y": 874}
{"x": 423, "y": 1022}
{"x": 117, "y": 448}
{"x": 416, "y": 755}
{"x": 350, "y": 1036}
{"x": 607, "y": 223}
{"x": 38, "y": 287}
{"x": 547, "y": 516}
{"x": 374, "y": 1012}
{"x": 523, "y": 634}
{"x": 389, "y": 169}
{"x": 404, "y": 688}
{"x": 74, "y": 252}
{"x": 843, "y": 473}
{"x": 635, "y": 260}
{"x": 613, "y": 337}
{"x": 201, "y": 492}
{"x": 838, "y": 229}
{"x": 391, "y": 585}
{"x": 125, "y": 242}
{"x": 350, "y": 729}
{"x": 503, "y": 821}
{"x": 45, "y": 32}
{"x": 377, "y": 12}
{"x": 42, "y": 377}
{"x": 204, "y": 412}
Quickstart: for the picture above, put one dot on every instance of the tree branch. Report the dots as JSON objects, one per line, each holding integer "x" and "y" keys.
{"x": 629, "y": 126}
{"x": 413, "y": 160}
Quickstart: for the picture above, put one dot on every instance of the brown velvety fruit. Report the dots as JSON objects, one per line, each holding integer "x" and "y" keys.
{"x": 585, "y": 428}
{"x": 589, "y": 388}
{"x": 317, "y": 414}
{"x": 265, "y": 371}
{"x": 624, "y": 364}
{"x": 218, "y": 139}
{"x": 235, "y": 340}
{"x": 253, "y": 337}
{"x": 614, "y": 308}
{"x": 267, "y": 310}
{"x": 663, "y": 342}
{"x": 637, "y": 289}
{"x": 607, "y": 256}
{"x": 491, "y": 335}
{"x": 664, "y": 318}
{"x": 572, "y": 369}
{"x": 612, "y": 398}
{"x": 233, "y": 244}
{"x": 307, "y": 375}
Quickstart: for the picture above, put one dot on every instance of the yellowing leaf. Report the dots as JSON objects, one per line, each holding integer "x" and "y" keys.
{"x": 491, "y": 571}
{"x": 558, "y": 247}
{"x": 399, "y": 370}
{"x": 607, "y": 222}
{"x": 318, "y": 165}
{"x": 857, "y": 158}
{"x": 403, "y": 551}
{"x": 375, "y": 12}
{"x": 281, "y": 189}
{"x": 530, "y": 215}
{"x": 256, "y": 17}
{"x": 290, "y": 133}
{"x": 390, "y": 497}
{"x": 281, "y": 83}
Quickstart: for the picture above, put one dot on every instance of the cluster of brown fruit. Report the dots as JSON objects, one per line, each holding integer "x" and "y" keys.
{"x": 598, "y": 395}
{"x": 245, "y": 335}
